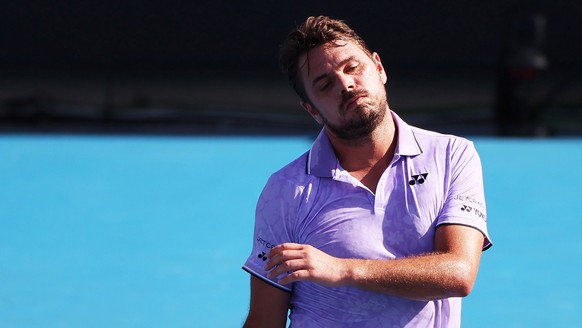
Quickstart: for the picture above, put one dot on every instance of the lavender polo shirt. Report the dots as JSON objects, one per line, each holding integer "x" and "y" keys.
{"x": 433, "y": 179}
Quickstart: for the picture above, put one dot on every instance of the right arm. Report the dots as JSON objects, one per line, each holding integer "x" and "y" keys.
{"x": 269, "y": 306}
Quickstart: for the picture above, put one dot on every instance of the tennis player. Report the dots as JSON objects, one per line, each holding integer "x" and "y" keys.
{"x": 379, "y": 224}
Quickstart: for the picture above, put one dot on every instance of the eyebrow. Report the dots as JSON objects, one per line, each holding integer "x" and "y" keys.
{"x": 324, "y": 75}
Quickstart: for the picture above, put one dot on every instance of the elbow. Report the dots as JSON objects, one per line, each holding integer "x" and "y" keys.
{"x": 454, "y": 286}
{"x": 464, "y": 288}
{"x": 464, "y": 281}
{"x": 458, "y": 288}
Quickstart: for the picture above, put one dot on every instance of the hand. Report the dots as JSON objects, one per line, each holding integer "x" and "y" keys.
{"x": 305, "y": 262}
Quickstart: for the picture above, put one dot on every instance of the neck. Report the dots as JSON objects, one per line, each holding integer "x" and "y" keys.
{"x": 368, "y": 158}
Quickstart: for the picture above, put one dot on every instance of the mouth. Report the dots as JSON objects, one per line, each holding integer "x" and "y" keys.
{"x": 352, "y": 101}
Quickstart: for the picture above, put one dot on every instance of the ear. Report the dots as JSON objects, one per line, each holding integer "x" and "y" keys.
{"x": 380, "y": 67}
{"x": 312, "y": 111}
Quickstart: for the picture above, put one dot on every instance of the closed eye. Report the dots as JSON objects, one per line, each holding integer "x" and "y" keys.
{"x": 352, "y": 67}
{"x": 324, "y": 86}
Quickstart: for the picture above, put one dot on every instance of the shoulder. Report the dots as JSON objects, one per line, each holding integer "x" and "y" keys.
{"x": 435, "y": 142}
{"x": 284, "y": 197}
{"x": 291, "y": 180}
{"x": 291, "y": 174}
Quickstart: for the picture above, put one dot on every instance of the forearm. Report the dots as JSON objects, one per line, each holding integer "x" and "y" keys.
{"x": 450, "y": 271}
{"x": 425, "y": 277}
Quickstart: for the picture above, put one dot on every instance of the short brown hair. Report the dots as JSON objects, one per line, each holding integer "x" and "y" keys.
{"x": 314, "y": 32}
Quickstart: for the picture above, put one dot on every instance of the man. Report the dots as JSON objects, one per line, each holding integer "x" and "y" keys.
{"x": 379, "y": 224}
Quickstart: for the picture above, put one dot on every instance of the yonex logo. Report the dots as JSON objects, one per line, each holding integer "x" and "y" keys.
{"x": 475, "y": 211}
{"x": 418, "y": 178}
{"x": 262, "y": 256}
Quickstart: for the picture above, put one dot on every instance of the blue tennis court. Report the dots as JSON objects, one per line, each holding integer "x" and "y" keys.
{"x": 146, "y": 231}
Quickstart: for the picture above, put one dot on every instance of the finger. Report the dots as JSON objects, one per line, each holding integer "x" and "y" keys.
{"x": 279, "y": 257}
{"x": 287, "y": 267}
{"x": 294, "y": 276}
{"x": 282, "y": 247}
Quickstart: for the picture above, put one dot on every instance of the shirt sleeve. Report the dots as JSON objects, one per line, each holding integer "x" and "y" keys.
{"x": 274, "y": 211}
{"x": 465, "y": 201}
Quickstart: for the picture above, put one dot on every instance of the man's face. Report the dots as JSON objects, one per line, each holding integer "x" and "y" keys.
{"x": 345, "y": 88}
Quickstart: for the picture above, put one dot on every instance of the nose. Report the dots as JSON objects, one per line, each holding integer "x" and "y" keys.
{"x": 346, "y": 83}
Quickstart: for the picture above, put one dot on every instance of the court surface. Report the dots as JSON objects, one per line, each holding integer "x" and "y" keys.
{"x": 143, "y": 231}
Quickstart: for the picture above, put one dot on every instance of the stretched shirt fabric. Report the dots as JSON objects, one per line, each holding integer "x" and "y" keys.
{"x": 433, "y": 179}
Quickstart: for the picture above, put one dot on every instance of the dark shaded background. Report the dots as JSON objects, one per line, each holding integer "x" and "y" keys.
{"x": 210, "y": 66}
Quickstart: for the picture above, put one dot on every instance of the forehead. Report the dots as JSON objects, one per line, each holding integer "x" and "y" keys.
{"x": 328, "y": 57}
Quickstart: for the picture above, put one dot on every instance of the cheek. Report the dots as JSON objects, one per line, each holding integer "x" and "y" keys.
{"x": 376, "y": 83}
{"x": 327, "y": 105}
{"x": 373, "y": 76}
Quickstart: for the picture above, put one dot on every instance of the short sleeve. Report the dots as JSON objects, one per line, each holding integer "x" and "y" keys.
{"x": 274, "y": 211}
{"x": 465, "y": 201}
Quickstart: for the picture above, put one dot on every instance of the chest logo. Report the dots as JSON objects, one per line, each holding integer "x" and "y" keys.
{"x": 418, "y": 178}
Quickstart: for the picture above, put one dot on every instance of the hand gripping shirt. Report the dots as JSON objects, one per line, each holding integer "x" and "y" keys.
{"x": 433, "y": 179}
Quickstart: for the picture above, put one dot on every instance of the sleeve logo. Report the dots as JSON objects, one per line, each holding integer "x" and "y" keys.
{"x": 475, "y": 211}
{"x": 262, "y": 256}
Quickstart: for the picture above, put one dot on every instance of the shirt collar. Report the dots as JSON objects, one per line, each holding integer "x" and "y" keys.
{"x": 321, "y": 160}
{"x": 406, "y": 144}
